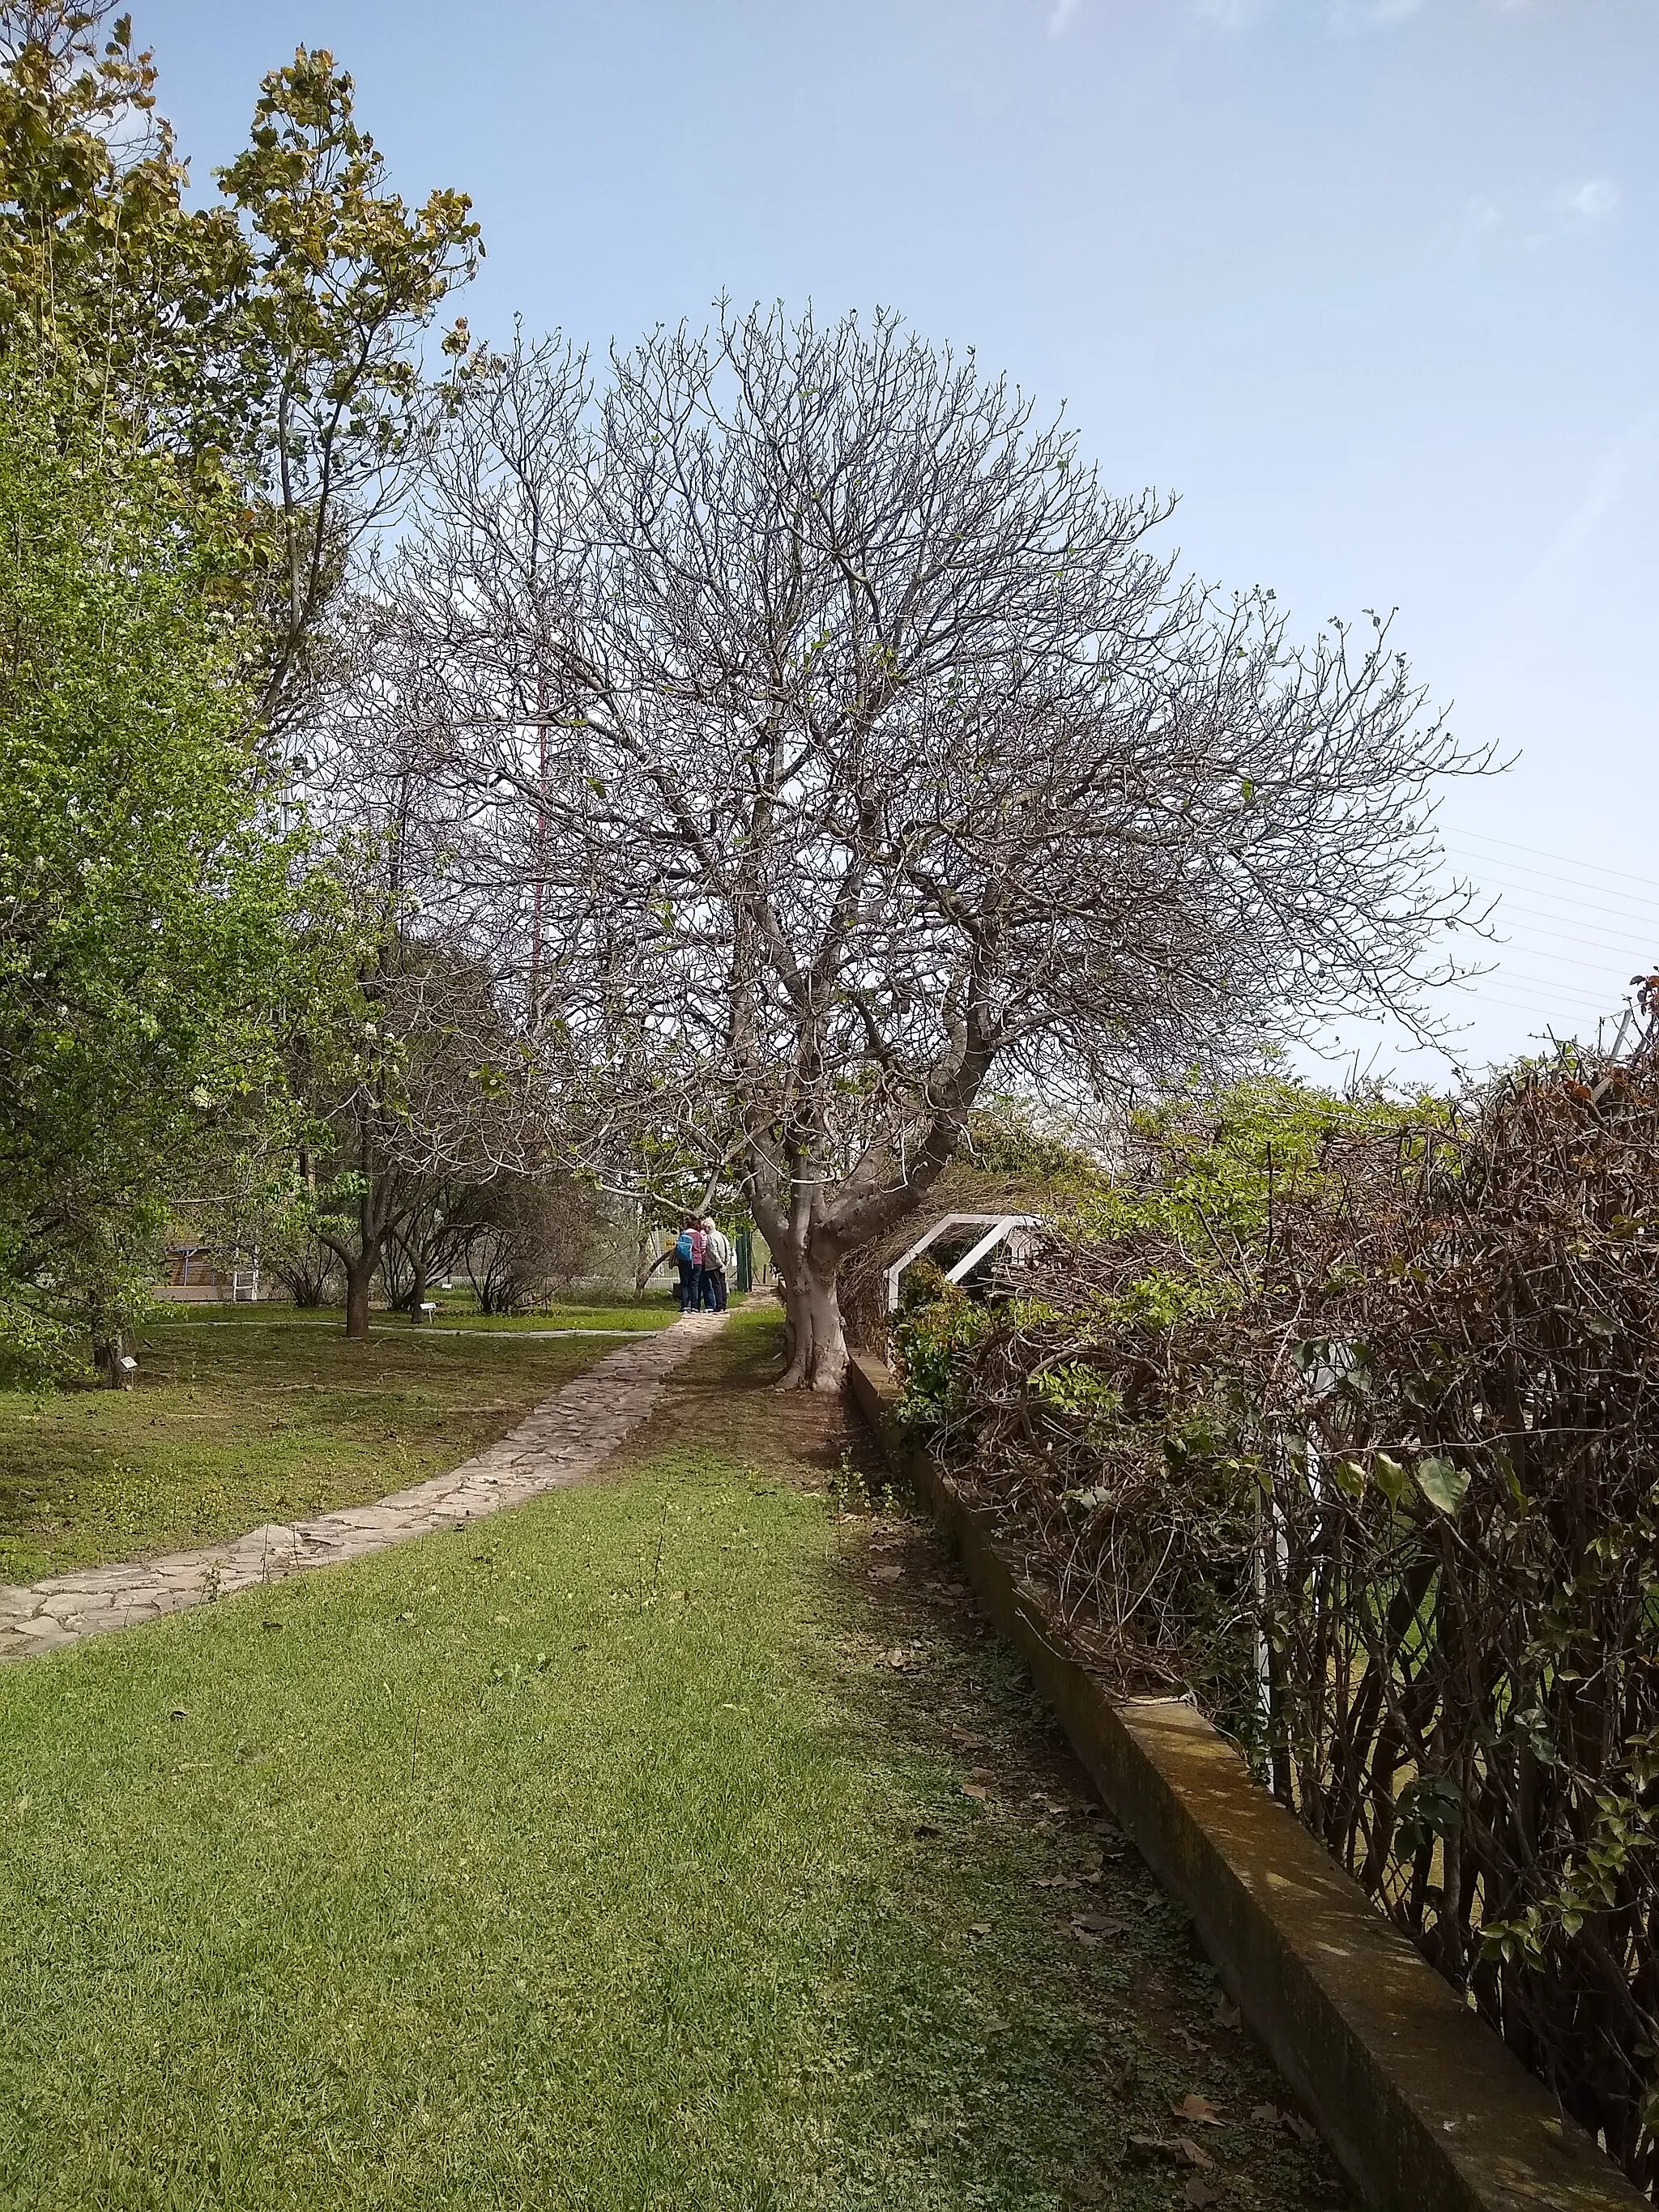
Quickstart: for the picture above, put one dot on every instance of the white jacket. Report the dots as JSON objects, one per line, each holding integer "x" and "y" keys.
{"x": 718, "y": 1253}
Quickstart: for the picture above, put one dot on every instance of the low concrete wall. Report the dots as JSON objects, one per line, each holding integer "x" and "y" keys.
{"x": 1421, "y": 2102}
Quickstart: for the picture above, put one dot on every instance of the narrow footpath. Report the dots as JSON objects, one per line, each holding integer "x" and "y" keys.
{"x": 563, "y": 1440}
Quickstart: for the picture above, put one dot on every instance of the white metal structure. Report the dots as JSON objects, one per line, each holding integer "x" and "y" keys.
{"x": 997, "y": 1227}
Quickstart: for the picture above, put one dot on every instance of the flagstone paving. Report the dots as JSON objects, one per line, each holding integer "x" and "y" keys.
{"x": 564, "y": 1439}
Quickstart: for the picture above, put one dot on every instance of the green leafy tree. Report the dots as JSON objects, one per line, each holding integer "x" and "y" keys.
{"x": 271, "y": 341}
{"x": 345, "y": 277}
{"x": 146, "y": 940}
{"x": 106, "y": 277}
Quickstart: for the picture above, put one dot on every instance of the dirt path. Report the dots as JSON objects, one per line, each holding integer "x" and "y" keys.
{"x": 562, "y": 1440}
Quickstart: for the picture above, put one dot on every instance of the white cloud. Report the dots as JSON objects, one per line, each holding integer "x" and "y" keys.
{"x": 1371, "y": 15}
{"x": 1622, "y": 469}
{"x": 1231, "y": 14}
{"x": 1593, "y": 201}
{"x": 1059, "y": 21}
{"x": 1336, "y": 14}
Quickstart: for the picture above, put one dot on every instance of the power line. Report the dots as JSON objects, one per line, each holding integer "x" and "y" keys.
{"x": 1562, "y": 860}
{"x": 1503, "y": 891}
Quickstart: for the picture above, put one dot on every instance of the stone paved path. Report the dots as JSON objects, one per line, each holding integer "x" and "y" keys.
{"x": 562, "y": 1440}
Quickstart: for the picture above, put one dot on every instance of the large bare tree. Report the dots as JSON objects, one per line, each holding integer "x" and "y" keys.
{"x": 833, "y": 738}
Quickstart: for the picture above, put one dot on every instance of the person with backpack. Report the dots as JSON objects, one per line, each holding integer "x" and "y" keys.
{"x": 699, "y": 1247}
{"x": 687, "y": 1268}
{"x": 717, "y": 1257}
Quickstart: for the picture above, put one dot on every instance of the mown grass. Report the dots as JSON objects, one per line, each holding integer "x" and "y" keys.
{"x": 255, "y": 1421}
{"x": 670, "y": 1842}
{"x": 577, "y": 1309}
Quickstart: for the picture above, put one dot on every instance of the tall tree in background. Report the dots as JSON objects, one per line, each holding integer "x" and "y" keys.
{"x": 271, "y": 342}
{"x": 887, "y": 755}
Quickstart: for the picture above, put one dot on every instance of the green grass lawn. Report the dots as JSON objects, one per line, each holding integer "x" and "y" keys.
{"x": 579, "y": 1309}
{"x": 258, "y": 1420}
{"x": 675, "y": 1841}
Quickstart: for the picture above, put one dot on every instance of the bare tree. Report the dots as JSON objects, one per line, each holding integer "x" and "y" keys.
{"x": 539, "y": 1232}
{"x": 885, "y": 753}
{"x": 421, "y": 1083}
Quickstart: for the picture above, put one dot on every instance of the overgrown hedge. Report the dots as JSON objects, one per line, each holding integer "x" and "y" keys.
{"x": 1343, "y": 1419}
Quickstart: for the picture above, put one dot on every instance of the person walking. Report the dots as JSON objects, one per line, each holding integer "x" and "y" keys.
{"x": 699, "y": 1267}
{"x": 688, "y": 1268}
{"x": 716, "y": 1263}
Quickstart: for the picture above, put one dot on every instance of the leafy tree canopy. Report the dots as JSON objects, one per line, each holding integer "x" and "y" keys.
{"x": 270, "y": 341}
{"x": 148, "y": 943}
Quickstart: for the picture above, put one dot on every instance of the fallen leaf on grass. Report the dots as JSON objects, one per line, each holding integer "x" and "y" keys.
{"x": 1226, "y": 2013}
{"x": 1056, "y": 1881}
{"x": 1200, "y": 2193}
{"x": 1180, "y": 2150}
{"x": 178, "y": 1714}
{"x": 1195, "y": 2107}
{"x": 1188, "y": 2041}
{"x": 980, "y": 1928}
{"x": 1266, "y": 2116}
{"x": 1091, "y": 1927}
{"x": 1304, "y": 2130}
{"x": 886, "y": 1574}
{"x": 900, "y": 1661}
{"x": 976, "y": 1790}
{"x": 928, "y": 1828}
{"x": 1144, "y": 2148}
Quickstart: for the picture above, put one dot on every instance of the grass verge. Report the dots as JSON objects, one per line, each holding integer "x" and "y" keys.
{"x": 675, "y": 1841}
{"x": 256, "y": 1421}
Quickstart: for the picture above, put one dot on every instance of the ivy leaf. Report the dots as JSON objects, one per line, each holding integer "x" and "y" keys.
{"x": 1442, "y": 1484}
{"x": 1349, "y": 1477}
{"x": 1391, "y": 1478}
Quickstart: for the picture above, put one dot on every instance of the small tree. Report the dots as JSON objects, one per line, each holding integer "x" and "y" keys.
{"x": 537, "y": 1232}
{"x": 886, "y": 754}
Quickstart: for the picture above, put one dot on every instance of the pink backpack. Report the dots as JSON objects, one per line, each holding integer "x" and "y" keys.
{"x": 699, "y": 1247}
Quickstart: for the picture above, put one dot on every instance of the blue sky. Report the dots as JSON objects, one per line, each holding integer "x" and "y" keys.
{"x": 1371, "y": 284}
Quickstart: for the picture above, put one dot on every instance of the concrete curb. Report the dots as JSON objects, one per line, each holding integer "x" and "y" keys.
{"x": 1422, "y": 2105}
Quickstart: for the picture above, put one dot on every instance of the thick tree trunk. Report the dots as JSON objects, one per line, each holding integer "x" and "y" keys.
{"x": 358, "y": 1278}
{"x": 816, "y": 1343}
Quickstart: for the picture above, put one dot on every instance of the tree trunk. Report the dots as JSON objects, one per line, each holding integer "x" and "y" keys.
{"x": 358, "y": 1278}
{"x": 109, "y": 1353}
{"x": 816, "y": 1343}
